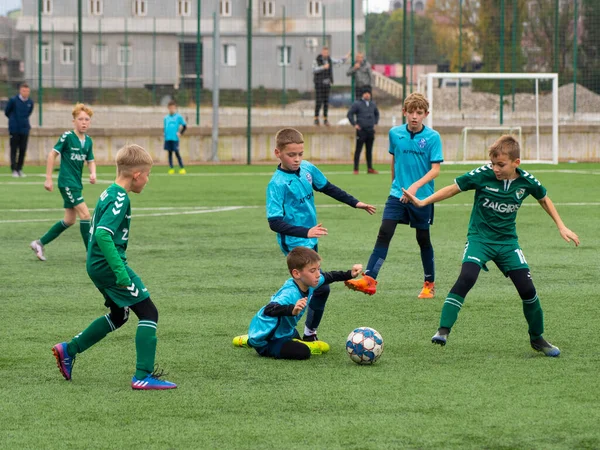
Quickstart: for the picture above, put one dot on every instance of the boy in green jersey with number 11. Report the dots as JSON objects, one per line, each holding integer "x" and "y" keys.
{"x": 500, "y": 188}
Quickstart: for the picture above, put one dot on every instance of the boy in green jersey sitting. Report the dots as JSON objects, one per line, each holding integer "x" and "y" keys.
{"x": 500, "y": 188}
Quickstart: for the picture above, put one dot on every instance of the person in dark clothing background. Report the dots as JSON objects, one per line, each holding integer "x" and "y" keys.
{"x": 18, "y": 109}
{"x": 363, "y": 75}
{"x": 364, "y": 115}
{"x": 323, "y": 79}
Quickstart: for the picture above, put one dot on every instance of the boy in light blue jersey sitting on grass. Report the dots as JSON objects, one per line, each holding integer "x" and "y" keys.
{"x": 272, "y": 331}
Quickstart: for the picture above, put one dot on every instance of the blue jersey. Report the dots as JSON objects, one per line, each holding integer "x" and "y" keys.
{"x": 414, "y": 153}
{"x": 171, "y": 126}
{"x": 290, "y": 196}
{"x": 263, "y": 328}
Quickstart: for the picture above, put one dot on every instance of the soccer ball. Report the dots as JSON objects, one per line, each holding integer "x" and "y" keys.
{"x": 364, "y": 345}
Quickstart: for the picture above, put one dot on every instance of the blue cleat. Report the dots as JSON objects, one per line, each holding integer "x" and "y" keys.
{"x": 542, "y": 345}
{"x": 152, "y": 383}
{"x": 63, "y": 360}
{"x": 439, "y": 338}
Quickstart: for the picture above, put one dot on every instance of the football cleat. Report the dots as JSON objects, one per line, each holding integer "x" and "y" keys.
{"x": 182, "y": 171}
{"x": 366, "y": 284}
{"x": 373, "y": 171}
{"x": 152, "y": 383}
{"x": 439, "y": 338}
{"x": 171, "y": 171}
{"x": 316, "y": 347}
{"x": 63, "y": 360}
{"x": 428, "y": 290}
{"x": 38, "y": 249}
{"x": 542, "y": 345}
{"x": 241, "y": 341}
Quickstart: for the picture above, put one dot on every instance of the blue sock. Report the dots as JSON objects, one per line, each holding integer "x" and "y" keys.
{"x": 428, "y": 263}
{"x": 316, "y": 307}
{"x": 171, "y": 159}
{"x": 376, "y": 261}
{"x": 179, "y": 159}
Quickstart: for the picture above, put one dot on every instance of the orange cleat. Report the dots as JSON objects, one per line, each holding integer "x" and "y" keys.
{"x": 428, "y": 290}
{"x": 366, "y": 284}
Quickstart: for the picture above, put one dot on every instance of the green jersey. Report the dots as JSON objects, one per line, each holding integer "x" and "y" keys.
{"x": 113, "y": 214}
{"x": 73, "y": 153}
{"x": 496, "y": 203}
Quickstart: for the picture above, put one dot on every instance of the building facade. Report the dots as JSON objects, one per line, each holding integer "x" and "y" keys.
{"x": 139, "y": 43}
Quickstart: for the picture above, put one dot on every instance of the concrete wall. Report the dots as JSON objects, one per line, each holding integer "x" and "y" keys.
{"x": 577, "y": 143}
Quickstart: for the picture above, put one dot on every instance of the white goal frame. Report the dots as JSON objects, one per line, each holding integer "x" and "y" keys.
{"x": 508, "y": 76}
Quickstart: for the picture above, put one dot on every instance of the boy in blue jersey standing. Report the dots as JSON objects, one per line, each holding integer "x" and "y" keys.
{"x": 174, "y": 127}
{"x": 417, "y": 152}
{"x": 292, "y": 214}
{"x": 272, "y": 332}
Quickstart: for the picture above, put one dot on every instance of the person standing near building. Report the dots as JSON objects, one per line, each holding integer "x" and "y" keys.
{"x": 363, "y": 77}
{"x": 364, "y": 115}
{"x": 18, "y": 109}
{"x": 323, "y": 79}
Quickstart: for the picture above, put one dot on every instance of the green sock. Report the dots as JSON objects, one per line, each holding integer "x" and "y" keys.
{"x": 450, "y": 310}
{"x": 145, "y": 347}
{"x": 54, "y": 232}
{"x": 84, "y": 228}
{"x": 95, "y": 332}
{"x": 534, "y": 316}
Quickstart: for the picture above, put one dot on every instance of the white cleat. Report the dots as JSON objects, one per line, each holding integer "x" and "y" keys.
{"x": 38, "y": 249}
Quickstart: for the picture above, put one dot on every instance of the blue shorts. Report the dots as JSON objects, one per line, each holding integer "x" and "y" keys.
{"x": 407, "y": 213}
{"x": 273, "y": 347}
{"x": 171, "y": 146}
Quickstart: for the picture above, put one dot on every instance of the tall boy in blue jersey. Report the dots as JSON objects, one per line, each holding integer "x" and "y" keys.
{"x": 417, "y": 152}
{"x": 291, "y": 210}
{"x": 500, "y": 189}
{"x": 272, "y": 331}
{"x": 174, "y": 127}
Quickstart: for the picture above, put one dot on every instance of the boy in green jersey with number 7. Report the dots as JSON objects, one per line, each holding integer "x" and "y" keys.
{"x": 120, "y": 286}
{"x": 500, "y": 188}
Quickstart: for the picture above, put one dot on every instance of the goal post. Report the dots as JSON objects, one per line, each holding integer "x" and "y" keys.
{"x": 536, "y": 77}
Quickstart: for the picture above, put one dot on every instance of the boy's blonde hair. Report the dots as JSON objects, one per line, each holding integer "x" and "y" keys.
{"x": 132, "y": 158}
{"x": 416, "y": 101}
{"x": 300, "y": 257}
{"x": 81, "y": 107}
{"x": 287, "y": 136}
{"x": 506, "y": 145}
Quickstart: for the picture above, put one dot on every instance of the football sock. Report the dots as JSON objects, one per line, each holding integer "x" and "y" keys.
{"x": 84, "y": 228}
{"x": 450, "y": 310}
{"x": 54, "y": 232}
{"x": 145, "y": 347}
{"x": 428, "y": 263}
{"x": 95, "y": 332}
{"x": 317, "y": 306}
{"x": 532, "y": 309}
{"x": 376, "y": 261}
{"x": 170, "y": 159}
{"x": 179, "y": 159}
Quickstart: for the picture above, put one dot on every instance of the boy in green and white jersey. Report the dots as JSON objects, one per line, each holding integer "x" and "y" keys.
{"x": 500, "y": 188}
{"x": 74, "y": 148}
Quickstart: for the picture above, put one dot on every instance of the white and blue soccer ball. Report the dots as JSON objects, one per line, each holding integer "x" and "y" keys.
{"x": 364, "y": 345}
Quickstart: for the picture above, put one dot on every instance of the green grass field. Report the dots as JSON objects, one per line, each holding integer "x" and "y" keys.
{"x": 210, "y": 267}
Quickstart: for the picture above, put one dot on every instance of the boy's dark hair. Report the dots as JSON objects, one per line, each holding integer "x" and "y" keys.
{"x": 172, "y": 103}
{"x": 287, "y": 136}
{"x": 23, "y": 85}
{"x": 506, "y": 145}
{"x": 300, "y": 257}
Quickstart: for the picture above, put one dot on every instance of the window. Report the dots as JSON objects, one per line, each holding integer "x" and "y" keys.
{"x": 124, "y": 56}
{"x": 184, "y": 8}
{"x": 67, "y": 53}
{"x": 285, "y": 55}
{"x": 419, "y": 7}
{"x": 140, "y": 7}
{"x": 45, "y": 53}
{"x": 225, "y": 8}
{"x": 267, "y": 8}
{"x": 99, "y": 54}
{"x": 229, "y": 55}
{"x": 314, "y": 8}
{"x": 47, "y": 7}
{"x": 96, "y": 7}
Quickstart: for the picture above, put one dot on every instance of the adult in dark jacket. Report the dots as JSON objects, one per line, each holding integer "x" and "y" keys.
{"x": 364, "y": 115}
{"x": 18, "y": 109}
{"x": 323, "y": 79}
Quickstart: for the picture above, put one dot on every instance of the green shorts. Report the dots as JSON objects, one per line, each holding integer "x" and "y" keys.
{"x": 128, "y": 296}
{"x": 506, "y": 256}
{"x": 71, "y": 197}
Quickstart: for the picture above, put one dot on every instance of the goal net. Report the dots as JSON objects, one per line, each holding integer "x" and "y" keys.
{"x": 472, "y": 110}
